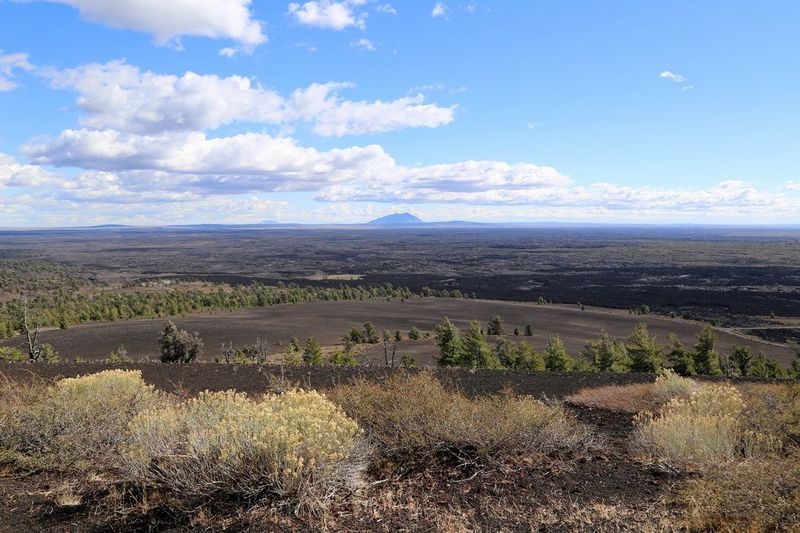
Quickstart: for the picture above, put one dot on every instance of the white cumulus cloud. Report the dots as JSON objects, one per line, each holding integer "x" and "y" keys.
{"x": 439, "y": 10}
{"x": 118, "y": 96}
{"x": 363, "y": 44}
{"x": 169, "y": 20}
{"x": 329, "y": 14}
{"x": 9, "y": 64}
{"x": 672, "y": 76}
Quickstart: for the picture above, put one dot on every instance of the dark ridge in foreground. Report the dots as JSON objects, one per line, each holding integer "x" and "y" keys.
{"x": 256, "y": 379}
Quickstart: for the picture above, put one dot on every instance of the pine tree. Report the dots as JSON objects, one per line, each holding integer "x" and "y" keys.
{"x": 764, "y": 367}
{"x": 528, "y": 330}
{"x": 606, "y": 353}
{"x": 526, "y": 358}
{"x": 448, "y": 340}
{"x": 556, "y": 357}
{"x": 291, "y": 355}
{"x": 741, "y": 358}
{"x": 680, "y": 358}
{"x": 312, "y": 353}
{"x": 342, "y": 358}
{"x": 706, "y": 361}
{"x": 505, "y": 352}
{"x": 370, "y": 336}
{"x": 795, "y": 346}
{"x": 495, "y": 327}
{"x": 475, "y": 352}
{"x": 643, "y": 350}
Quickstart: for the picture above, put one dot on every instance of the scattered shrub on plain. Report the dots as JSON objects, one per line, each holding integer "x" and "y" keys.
{"x": 74, "y": 422}
{"x": 415, "y": 415}
{"x": 296, "y": 445}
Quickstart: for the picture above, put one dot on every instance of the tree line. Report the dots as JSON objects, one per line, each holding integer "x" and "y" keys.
{"x": 639, "y": 352}
{"x": 63, "y": 308}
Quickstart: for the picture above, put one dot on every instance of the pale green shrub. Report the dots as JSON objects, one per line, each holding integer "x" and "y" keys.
{"x": 294, "y": 444}
{"x": 670, "y": 385}
{"x": 415, "y": 415}
{"x": 705, "y": 428}
{"x": 76, "y": 421}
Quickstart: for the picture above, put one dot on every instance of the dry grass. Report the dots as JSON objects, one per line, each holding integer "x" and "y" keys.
{"x": 636, "y": 397}
{"x": 755, "y": 495}
{"x": 622, "y": 398}
{"x": 773, "y": 409}
{"x": 415, "y": 415}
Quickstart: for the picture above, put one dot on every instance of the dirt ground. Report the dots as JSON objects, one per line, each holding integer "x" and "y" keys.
{"x": 329, "y": 321}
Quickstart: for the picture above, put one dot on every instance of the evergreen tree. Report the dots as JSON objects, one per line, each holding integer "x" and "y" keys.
{"x": 643, "y": 350}
{"x": 606, "y": 353}
{"x": 178, "y": 345}
{"x": 680, "y": 358}
{"x": 312, "y": 353}
{"x": 291, "y": 355}
{"x": 764, "y": 367}
{"x": 495, "y": 326}
{"x": 795, "y": 346}
{"x": 397, "y": 336}
{"x": 505, "y": 352}
{"x": 741, "y": 358}
{"x": 706, "y": 361}
{"x": 556, "y": 357}
{"x": 448, "y": 340}
{"x": 355, "y": 336}
{"x": 516, "y": 332}
{"x": 475, "y": 352}
{"x": 294, "y": 344}
{"x": 342, "y": 358}
{"x": 528, "y": 330}
{"x": 414, "y": 334}
{"x": 526, "y": 358}
{"x": 370, "y": 336}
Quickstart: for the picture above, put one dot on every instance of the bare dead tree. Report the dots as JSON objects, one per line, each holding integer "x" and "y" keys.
{"x": 261, "y": 350}
{"x": 228, "y": 351}
{"x": 31, "y": 326}
{"x": 389, "y": 355}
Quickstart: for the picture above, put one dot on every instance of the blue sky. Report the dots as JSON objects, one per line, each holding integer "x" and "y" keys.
{"x": 145, "y": 112}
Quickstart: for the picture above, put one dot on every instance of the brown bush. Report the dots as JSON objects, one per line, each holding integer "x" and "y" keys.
{"x": 623, "y": 398}
{"x": 754, "y": 495}
{"x": 636, "y": 397}
{"x": 773, "y": 409}
{"x": 415, "y": 415}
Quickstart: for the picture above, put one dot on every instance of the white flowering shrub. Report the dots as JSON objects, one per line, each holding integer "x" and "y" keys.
{"x": 75, "y": 422}
{"x": 290, "y": 445}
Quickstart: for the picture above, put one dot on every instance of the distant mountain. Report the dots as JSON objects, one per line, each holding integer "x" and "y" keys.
{"x": 269, "y": 222}
{"x": 396, "y": 219}
{"x": 108, "y": 226}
